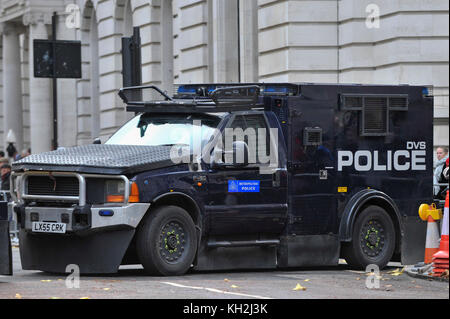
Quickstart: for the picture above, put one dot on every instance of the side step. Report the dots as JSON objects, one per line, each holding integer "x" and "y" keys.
{"x": 244, "y": 243}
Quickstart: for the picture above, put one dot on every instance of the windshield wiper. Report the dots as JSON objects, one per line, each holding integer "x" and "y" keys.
{"x": 182, "y": 144}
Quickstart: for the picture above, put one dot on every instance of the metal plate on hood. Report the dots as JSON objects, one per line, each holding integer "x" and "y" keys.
{"x": 98, "y": 158}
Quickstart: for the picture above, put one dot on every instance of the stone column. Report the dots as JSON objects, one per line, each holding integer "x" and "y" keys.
{"x": 41, "y": 103}
{"x": 167, "y": 46}
{"x": 226, "y": 40}
{"x": 12, "y": 85}
{"x": 248, "y": 35}
{"x": 67, "y": 97}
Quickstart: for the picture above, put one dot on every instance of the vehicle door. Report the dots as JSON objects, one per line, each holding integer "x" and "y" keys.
{"x": 247, "y": 199}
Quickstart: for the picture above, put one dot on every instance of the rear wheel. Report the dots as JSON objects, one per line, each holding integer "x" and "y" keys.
{"x": 166, "y": 241}
{"x": 373, "y": 239}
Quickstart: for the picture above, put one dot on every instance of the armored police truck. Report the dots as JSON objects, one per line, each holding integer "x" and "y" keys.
{"x": 236, "y": 176}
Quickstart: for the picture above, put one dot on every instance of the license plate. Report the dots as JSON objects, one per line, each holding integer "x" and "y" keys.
{"x": 44, "y": 227}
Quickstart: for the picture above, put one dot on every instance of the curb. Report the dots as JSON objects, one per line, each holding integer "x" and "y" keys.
{"x": 413, "y": 271}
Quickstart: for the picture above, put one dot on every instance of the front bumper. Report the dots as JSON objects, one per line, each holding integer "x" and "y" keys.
{"x": 84, "y": 218}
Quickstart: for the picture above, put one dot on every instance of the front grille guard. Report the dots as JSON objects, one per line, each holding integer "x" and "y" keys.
{"x": 19, "y": 183}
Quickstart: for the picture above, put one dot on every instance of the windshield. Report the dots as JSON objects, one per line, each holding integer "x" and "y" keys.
{"x": 166, "y": 129}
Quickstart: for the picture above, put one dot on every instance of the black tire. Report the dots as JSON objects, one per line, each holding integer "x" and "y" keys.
{"x": 373, "y": 239}
{"x": 166, "y": 242}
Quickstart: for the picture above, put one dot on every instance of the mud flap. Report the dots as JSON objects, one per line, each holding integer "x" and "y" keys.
{"x": 95, "y": 253}
{"x": 413, "y": 241}
{"x": 5, "y": 249}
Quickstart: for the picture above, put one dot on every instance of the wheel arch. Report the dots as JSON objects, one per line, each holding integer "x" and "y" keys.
{"x": 181, "y": 200}
{"x": 358, "y": 203}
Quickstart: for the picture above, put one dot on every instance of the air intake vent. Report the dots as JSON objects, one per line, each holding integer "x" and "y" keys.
{"x": 312, "y": 136}
{"x": 374, "y": 116}
{"x": 351, "y": 102}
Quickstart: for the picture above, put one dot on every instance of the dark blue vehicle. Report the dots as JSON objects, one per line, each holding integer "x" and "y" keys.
{"x": 237, "y": 176}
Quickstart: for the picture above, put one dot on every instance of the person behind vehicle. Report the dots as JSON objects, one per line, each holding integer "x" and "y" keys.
{"x": 444, "y": 175}
{"x": 4, "y": 160}
{"x": 5, "y": 172}
{"x": 25, "y": 152}
{"x": 442, "y": 156}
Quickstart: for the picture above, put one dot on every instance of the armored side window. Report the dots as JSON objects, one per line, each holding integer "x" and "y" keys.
{"x": 254, "y": 128}
{"x": 374, "y": 110}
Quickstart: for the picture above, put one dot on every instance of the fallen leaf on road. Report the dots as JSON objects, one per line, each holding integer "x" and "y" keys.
{"x": 18, "y": 296}
{"x": 306, "y": 280}
{"x": 106, "y": 289}
{"x": 396, "y": 272}
{"x": 47, "y": 280}
{"x": 358, "y": 278}
{"x": 84, "y": 298}
{"x": 393, "y": 271}
{"x": 234, "y": 286}
{"x": 226, "y": 280}
{"x": 299, "y": 287}
{"x": 55, "y": 297}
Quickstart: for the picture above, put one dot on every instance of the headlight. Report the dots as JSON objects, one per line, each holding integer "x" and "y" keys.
{"x": 115, "y": 191}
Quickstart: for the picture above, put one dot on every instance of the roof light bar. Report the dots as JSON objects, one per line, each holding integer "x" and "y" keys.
{"x": 202, "y": 98}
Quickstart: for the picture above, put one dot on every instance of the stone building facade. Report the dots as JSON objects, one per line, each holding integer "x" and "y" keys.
{"x": 193, "y": 41}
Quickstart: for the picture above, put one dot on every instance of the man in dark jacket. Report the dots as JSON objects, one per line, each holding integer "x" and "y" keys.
{"x": 5, "y": 172}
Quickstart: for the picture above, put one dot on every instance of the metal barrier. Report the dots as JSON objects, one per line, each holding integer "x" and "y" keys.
{"x": 5, "y": 196}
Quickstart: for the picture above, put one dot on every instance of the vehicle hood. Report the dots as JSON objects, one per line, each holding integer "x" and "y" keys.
{"x": 99, "y": 159}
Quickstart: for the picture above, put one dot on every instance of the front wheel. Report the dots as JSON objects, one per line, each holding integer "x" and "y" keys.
{"x": 166, "y": 241}
{"x": 373, "y": 239}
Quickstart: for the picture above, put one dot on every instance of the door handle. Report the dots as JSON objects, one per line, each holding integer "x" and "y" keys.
{"x": 276, "y": 179}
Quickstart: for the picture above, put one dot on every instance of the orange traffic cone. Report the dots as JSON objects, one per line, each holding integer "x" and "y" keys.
{"x": 440, "y": 259}
{"x": 432, "y": 240}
